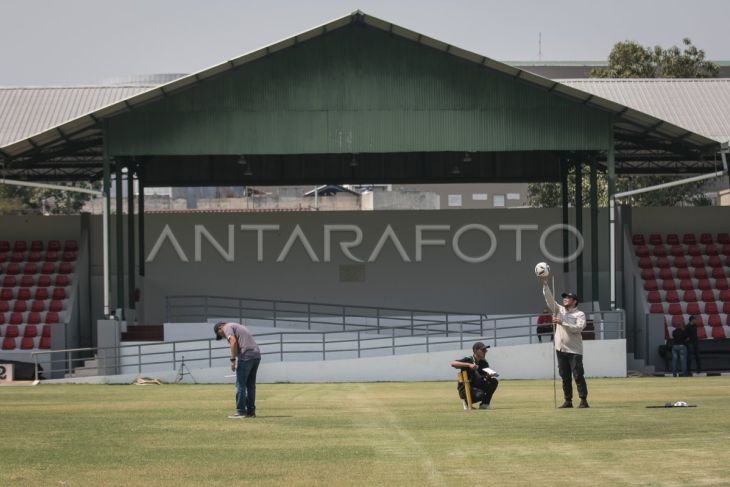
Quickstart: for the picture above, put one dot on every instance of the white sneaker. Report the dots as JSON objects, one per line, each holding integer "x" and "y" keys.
{"x": 237, "y": 416}
{"x": 485, "y": 406}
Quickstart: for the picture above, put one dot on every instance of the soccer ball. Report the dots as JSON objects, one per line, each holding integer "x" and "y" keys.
{"x": 542, "y": 270}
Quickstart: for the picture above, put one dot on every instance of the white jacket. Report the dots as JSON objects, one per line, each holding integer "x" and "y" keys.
{"x": 568, "y": 336}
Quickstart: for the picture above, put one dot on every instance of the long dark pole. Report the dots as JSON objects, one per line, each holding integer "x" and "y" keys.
{"x": 564, "y": 198}
{"x": 579, "y": 225}
{"x": 120, "y": 236}
{"x": 594, "y": 228}
{"x": 140, "y": 216}
{"x": 130, "y": 236}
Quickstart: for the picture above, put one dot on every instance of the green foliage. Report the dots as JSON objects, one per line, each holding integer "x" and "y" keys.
{"x": 23, "y": 200}
{"x": 629, "y": 59}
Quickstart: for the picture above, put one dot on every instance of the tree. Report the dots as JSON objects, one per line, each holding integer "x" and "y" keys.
{"x": 629, "y": 59}
{"x": 24, "y": 200}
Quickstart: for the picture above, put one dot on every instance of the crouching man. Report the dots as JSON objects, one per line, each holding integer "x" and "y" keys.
{"x": 482, "y": 384}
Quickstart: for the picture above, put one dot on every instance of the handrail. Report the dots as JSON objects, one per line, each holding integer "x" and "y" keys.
{"x": 290, "y": 343}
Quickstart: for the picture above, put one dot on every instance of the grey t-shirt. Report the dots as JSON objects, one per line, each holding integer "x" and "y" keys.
{"x": 247, "y": 347}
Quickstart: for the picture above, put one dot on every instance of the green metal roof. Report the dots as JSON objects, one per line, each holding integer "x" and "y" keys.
{"x": 543, "y": 99}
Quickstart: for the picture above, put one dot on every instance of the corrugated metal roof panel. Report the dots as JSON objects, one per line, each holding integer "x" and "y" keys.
{"x": 29, "y": 111}
{"x": 699, "y": 105}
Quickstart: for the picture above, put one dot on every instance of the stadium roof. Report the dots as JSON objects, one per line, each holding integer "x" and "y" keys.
{"x": 76, "y": 144}
{"x": 700, "y": 105}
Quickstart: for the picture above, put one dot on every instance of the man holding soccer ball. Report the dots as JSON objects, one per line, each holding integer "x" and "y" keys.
{"x": 569, "y": 323}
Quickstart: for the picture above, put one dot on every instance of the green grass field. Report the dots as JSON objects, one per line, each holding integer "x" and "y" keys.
{"x": 366, "y": 434}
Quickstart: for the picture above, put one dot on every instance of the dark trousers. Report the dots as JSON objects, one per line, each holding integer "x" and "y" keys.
{"x": 482, "y": 389}
{"x": 693, "y": 350}
{"x": 570, "y": 366}
{"x": 246, "y": 385}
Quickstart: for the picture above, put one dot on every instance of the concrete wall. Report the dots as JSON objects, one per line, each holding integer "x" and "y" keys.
{"x": 712, "y": 219}
{"x": 503, "y": 284}
{"x": 605, "y": 358}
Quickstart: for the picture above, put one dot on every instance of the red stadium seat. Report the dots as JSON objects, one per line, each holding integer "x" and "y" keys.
{"x": 3, "y": 256}
{"x": 27, "y": 343}
{"x": 704, "y": 284}
{"x": 30, "y": 268}
{"x": 45, "y": 343}
{"x": 36, "y": 245}
{"x": 41, "y": 293}
{"x": 714, "y": 261}
{"x": 708, "y": 295}
{"x": 701, "y": 334}
{"x": 51, "y": 256}
{"x": 34, "y": 256}
{"x": 662, "y": 262}
{"x": 54, "y": 245}
{"x": 20, "y": 307}
{"x": 711, "y": 249}
{"x": 694, "y": 250}
{"x": 12, "y": 269}
{"x": 726, "y": 249}
{"x": 27, "y": 281}
{"x": 642, "y": 251}
{"x": 700, "y": 273}
{"x": 8, "y": 343}
{"x": 68, "y": 256}
{"x": 654, "y": 297}
{"x": 677, "y": 320}
{"x": 693, "y": 308}
{"x": 656, "y": 308}
{"x": 16, "y": 318}
{"x": 23, "y": 294}
{"x": 34, "y": 318}
{"x": 722, "y": 284}
{"x": 12, "y": 331}
{"x": 675, "y": 309}
{"x": 718, "y": 332}
{"x": 725, "y": 296}
{"x": 689, "y": 239}
{"x": 17, "y": 257}
{"x": 706, "y": 238}
{"x": 4, "y": 246}
{"x": 723, "y": 238}
{"x": 647, "y": 274}
{"x": 645, "y": 263}
{"x": 711, "y": 308}
{"x": 672, "y": 239}
{"x": 20, "y": 246}
{"x": 6, "y": 294}
{"x": 2, "y": 318}
{"x": 655, "y": 239}
{"x": 659, "y": 251}
{"x": 676, "y": 251}
{"x": 714, "y": 320}
{"x": 666, "y": 273}
{"x": 65, "y": 268}
{"x": 718, "y": 273}
{"x": 62, "y": 280}
{"x": 30, "y": 331}
{"x": 56, "y": 305}
{"x": 46, "y": 331}
{"x": 4, "y": 308}
{"x": 686, "y": 285}
{"x": 672, "y": 297}
{"x": 58, "y": 293}
{"x": 48, "y": 268}
{"x": 650, "y": 285}
{"x": 44, "y": 281}
{"x": 52, "y": 318}
{"x": 669, "y": 285}
{"x": 638, "y": 239}
{"x": 689, "y": 296}
{"x": 683, "y": 273}
{"x": 71, "y": 245}
{"x": 38, "y": 306}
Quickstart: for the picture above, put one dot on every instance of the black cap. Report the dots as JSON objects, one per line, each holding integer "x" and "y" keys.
{"x": 479, "y": 346}
{"x": 691, "y": 318}
{"x": 217, "y": 327}
{"x": 571, "y": 295}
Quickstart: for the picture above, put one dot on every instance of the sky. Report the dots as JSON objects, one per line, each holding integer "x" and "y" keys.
{"x": 87, "y": 42}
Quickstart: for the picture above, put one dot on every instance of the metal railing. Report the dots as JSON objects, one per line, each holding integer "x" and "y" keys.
{"x": 293, "y": 345}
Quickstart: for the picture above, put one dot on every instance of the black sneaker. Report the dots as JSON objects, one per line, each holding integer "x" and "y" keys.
{"x": 583, "y": 404}
{"x": 566, "y": 405}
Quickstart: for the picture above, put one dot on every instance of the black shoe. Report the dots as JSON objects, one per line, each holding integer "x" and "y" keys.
{"x": 583, "y": 404}
{"x": 566, "y": 405}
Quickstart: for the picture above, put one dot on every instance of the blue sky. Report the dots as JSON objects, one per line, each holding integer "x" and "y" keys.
{"x": 49, "y": 42}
